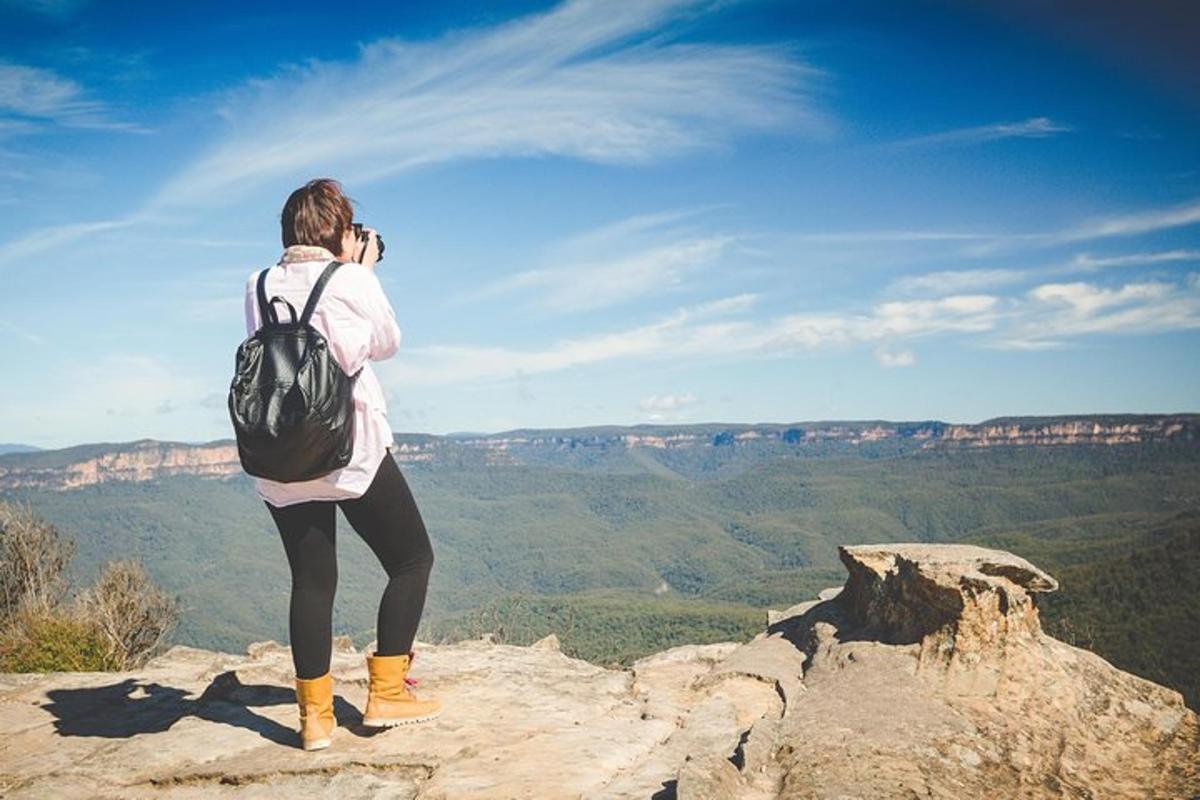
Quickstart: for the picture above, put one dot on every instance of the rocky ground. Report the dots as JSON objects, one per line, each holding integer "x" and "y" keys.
{"x": 926, "y": 675}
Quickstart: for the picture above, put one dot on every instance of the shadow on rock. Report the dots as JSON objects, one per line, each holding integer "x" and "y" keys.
{"x": 130, "y": 707}
{"x": 800, "y": 630}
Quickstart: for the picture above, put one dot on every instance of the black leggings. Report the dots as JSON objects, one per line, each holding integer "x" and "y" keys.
{"x": 387, "y": 519}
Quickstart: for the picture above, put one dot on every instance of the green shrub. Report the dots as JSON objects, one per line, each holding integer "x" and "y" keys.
{"x": 53, "y": 641}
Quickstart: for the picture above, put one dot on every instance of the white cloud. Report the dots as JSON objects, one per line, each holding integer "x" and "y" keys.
{"x": 566, "y": 82}
{"x": 667, "y": 406}
{"x": 1057, "y": 312}
{"x": 895, "y": 358}
{"x": 1049, "y": 315}
{"x": 696, "y": 332}
{"x": 676, "y": 332}
{"x": 1086, "y": 299}
{"x": 29, "y": 94}
{"x": 956, "y": 281}
{"x": 918, "y": 317}
{"x": 1032, "y": 128}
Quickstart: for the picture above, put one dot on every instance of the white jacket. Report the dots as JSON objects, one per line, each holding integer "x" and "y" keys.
{"x": 355, "y": 317}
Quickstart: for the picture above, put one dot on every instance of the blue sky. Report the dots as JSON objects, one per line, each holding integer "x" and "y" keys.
{"x": 609, "y": 212}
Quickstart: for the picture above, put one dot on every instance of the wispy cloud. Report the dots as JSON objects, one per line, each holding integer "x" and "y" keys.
{"x": 31, "y": 95}
{"x": 573, "y": 81}
{"x": 982, "y": 243}
{"x": 969, "y": 280}
{"x": 1087, "y": 263}
{"x": 1049, "y": 315}
{"x": 1131, "y": 224}
{"x": 619, "y": 232}
{"x": 56, "y": 236}
{"x": 590, "y": 285}
{"x": 1032, "y": 128}
{"x": 630, "y": 258}
{"x": 1103, "y": 227}
{"x": 29, "y": 336}
{"x": 871, "y": 236}
{"x": 700, "y": 331}
{"x": 956, "y": 281}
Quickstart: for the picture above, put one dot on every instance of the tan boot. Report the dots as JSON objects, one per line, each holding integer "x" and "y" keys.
{"x": 317, "y": 722}
{"x": 389, "y": 700}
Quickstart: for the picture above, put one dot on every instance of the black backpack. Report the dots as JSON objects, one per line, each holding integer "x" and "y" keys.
{"x": 290, "y": 401}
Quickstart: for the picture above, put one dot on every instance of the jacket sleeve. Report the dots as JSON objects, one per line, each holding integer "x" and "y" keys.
{"x": 252, "y": 321}
{"x": 362, "y": 318}
{"x": 385, "y": 333}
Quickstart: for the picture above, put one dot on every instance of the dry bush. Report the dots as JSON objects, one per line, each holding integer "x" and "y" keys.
{"x": 116, "y": 624}
{"x": 33, "y": 561}
{"x": 132, "y": 613}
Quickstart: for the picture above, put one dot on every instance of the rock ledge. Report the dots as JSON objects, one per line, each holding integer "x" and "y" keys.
{"x": 926, "y": 675}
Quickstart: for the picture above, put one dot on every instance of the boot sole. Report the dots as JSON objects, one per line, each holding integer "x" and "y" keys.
{"x": 320, "y": 744}
{"x": 375, "y": 722}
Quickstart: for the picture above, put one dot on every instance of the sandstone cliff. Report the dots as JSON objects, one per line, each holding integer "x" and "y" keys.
{"x": 148, "y": 459}
{"x": 926, "y": 675}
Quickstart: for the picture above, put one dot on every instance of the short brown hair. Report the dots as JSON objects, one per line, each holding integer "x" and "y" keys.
{"x": 317, "y": 213}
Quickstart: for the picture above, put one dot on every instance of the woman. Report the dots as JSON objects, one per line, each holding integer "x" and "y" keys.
{"x": 355, "y": 317}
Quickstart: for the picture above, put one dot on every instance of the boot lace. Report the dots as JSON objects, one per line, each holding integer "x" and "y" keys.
{"x": 407, "y": 680}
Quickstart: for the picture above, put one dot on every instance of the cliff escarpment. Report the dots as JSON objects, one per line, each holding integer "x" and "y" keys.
{"x": 148, "y": 459}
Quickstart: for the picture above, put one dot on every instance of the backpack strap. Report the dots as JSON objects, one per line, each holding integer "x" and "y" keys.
{"x": 266, "y": 313}
{"x": 315, "y": 294}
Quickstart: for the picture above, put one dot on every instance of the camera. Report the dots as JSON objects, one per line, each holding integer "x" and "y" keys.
{"x": 362, "y": 237}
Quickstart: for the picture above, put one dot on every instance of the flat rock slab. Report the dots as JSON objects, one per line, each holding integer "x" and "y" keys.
{"x": 515, "y": 722}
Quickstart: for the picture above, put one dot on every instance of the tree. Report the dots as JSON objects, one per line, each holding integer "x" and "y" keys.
{"x": 33, "y": 561}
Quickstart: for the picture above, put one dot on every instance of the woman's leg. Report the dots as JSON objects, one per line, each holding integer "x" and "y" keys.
{"x": 308, "y": 534}
{"x": 386, "y": 517}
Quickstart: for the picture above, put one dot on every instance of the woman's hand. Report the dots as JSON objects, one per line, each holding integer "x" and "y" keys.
{"x": 368, "y": 253}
